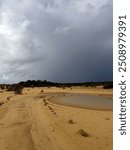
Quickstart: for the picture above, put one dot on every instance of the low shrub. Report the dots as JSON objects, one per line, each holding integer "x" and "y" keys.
{"x": 83, "y": 133}
{"x": 108, "y": 86}
{"x": 71, "y": 121}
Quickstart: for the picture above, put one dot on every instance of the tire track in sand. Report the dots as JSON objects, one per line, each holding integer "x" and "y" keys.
{"x": 16, "y": 127}
{"x": 29, "y": 125}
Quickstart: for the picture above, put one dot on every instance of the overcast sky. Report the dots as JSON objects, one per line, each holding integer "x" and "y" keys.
{"x": 56, "y": 40}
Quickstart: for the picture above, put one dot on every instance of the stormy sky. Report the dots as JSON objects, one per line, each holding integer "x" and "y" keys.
{"x": 56, "y": 40}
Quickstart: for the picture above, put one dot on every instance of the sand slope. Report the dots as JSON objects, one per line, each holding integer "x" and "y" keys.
{"x": 26, "y": 123}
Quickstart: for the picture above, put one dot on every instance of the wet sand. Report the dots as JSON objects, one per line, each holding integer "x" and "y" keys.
{"x": 30, "y": 122}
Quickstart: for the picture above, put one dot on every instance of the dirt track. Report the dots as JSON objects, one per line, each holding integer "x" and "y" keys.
{"x": 24, "y": 126}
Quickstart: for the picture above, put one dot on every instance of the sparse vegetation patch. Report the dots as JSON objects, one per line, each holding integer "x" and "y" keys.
{"x": 83, "y": 133}
{"x": 71, "y": 121}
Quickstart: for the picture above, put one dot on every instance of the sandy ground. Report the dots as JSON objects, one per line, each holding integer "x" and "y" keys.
{"x": 30, "y": 122}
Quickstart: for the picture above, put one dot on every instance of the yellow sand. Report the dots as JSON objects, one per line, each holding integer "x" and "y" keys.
{"x": 26, "y": 123}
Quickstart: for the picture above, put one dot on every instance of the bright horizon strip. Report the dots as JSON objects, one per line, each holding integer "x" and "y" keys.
{"x": 121, "y": 142}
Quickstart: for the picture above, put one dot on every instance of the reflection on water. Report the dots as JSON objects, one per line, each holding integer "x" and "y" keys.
{"x": 86, "y": 101}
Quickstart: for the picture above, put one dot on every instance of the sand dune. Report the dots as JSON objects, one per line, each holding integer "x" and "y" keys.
{"x": 30, "y": 122}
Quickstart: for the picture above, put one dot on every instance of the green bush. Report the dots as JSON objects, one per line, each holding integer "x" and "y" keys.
{"x": 18, "y": 89}
{"x": 108, "y": 86}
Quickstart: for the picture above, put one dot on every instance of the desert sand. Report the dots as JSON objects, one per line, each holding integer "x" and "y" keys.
{"x": 31, "y": 122}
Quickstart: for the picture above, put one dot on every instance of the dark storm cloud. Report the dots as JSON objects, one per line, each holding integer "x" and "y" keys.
{"x": 57, "y": 40}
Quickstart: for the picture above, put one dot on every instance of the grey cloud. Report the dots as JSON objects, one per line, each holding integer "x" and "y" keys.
{"x": 57, "y": 40}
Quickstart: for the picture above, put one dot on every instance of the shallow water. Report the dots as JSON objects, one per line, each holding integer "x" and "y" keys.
{"x": 86, "y": 101}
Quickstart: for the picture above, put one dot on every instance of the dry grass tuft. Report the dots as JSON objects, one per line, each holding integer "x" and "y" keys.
{"x": 71, "y": 121}
{"x": 107, "y": 118}
{"x": 83, "y": 133}
{"x": 1, "y": 103}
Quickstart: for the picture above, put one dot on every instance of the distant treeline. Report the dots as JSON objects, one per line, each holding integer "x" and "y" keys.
{"x": 39, "y": 83}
